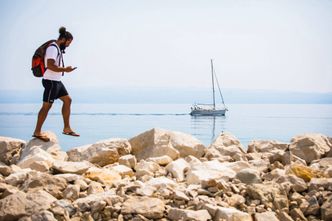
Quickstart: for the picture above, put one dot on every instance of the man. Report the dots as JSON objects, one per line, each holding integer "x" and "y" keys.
{"x": 54, "y": 88}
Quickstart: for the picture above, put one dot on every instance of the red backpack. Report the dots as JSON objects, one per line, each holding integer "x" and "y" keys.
{"x": 38, "y": 62}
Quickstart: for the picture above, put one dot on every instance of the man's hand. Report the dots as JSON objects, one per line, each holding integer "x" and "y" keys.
{"x": 69, "y": 69}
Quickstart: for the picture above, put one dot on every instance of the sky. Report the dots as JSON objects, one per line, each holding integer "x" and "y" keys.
{"x": 282, "y": 45}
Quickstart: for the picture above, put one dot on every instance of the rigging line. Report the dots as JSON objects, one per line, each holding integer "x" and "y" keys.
{"x": 222, "y": 98}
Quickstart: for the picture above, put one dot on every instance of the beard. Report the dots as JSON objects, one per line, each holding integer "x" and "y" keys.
{"x": 63, "y": 47}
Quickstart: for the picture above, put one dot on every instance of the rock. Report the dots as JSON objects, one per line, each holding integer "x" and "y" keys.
{"x": 6, "y": 190}
{"x": 38, "y": 200}
{"x": 236, "y": 200}
{"x": 162, "y": 160}
{"x": 38, "y": 180}
{"x": 44, "y": 216}
{"x": 18, "y": 177}
{"x": 209, "y": 170}
{"x": 161, "y": 182}
{"x": 63, "y": 208}
{"x": 95, "y": 187}
{"x": 249, "y": 176}
{"x": 310, "y": 146}
{"x": 52, "y": 147}
{"x": 128, "y": 160}
{"x": 13, "y": 206}
{"x": 265, "y": 146}
{"x": 101, "y": 153}
{"x": 283, "y": 216}
{"x": 184, "y": 214}
{"x": 152, "y": 208}
{"x": 297, "y": 184}
{"x": 178, "y": 168}
{"x": 304, "y": 172}
{"x": 316, "y": 183}
{"x": 326, "y": 209}
{"x": 94, "y": 201}
{"x": 104, "y": 176}
{"x": 122, "y": 170}
{"x": 39, "y": 155}
{"x": 297, "y": 214}
{"x": 231, "y": 214}
{"x": 38, "y": 160}
{"x": 5, "y": 170}
{"x": 71, "y": 167}
{"x": 159, "y": 142}
{"x": 226, "y": 145}
{"x": 10, "y": 149}
{"x": 71, "y": 192}
{"x": 69, "y": 177}
{"x": 269, "y": 194}
{"x": 146, "y": 168}
{"x": 186, "y": 144}
{"x": 271, "y": 216}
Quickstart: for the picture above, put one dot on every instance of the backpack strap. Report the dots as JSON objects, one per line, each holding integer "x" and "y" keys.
{"x": 63, "y": 64}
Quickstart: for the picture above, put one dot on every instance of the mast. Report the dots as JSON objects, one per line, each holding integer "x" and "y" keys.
{"x": 214, "y": 99}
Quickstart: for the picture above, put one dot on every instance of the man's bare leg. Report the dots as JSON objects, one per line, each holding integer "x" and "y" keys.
{"x": 66, "y": 109}
{"x": 41, "y": 118}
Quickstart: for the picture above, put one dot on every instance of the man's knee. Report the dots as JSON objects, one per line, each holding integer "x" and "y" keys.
{"x": 66, "y": 100}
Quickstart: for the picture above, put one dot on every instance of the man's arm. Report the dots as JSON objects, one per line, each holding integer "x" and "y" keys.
{"x": 51, "y": 65}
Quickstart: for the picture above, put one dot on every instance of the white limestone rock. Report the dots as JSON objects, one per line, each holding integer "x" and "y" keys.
{"x": 159, "y": 142}
{"x": 101, "y": 153}
{"x": 10, "y": 149}
{"x": 178, "y": 168}
{"x": 310, "y": 146}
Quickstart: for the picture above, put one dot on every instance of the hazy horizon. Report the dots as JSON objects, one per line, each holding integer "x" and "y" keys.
{"x": 256, "y": 45}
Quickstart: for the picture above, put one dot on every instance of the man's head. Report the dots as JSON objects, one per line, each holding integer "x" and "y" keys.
{"x": 65, "y": 38}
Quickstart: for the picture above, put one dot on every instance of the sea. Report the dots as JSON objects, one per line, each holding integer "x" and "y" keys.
{"x": 96, "y": 122}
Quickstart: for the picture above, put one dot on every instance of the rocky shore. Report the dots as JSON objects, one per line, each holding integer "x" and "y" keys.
{"x": 167, "y": 175}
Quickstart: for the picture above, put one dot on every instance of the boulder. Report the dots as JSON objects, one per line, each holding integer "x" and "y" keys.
{"x": 104, "y": 176}
{"x": 98, "y": 199}
{"x": 326, "y": 209}
{"x": 35, "y": 180}
{"x": 20, "y": 204}
{"x": 316, "y": 183}
{"x": 128, "y": 160}
{"x": 178, "y": 168}
{"x": 209, "y": 170}
{"x": 5, "y": 170}
{"x": 226, "y": 145}
{"x": 39, "y": 155}
{"x": 231, "y": 214}
{"x": 310, "y": 146}
{"x": 185, "y": 214}
{"x": 146, "y": 168}
{"x": 101, "y": 153}
{"x": 122, "y": 170}
{"x": 249, "y": 176}
{"x": 159, "y": 142}
{"x": 266, "y": 146}
{"x": 10, "y": 149}
{"x": 72, "y": 167}
{"x": 13, "y": 206}
{"x": 271, "y": 216}
{"x": 151, "y": 208}
{"x": 162, "y": 160}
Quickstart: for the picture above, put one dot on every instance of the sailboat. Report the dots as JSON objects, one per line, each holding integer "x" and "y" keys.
{"x": 210, "y": 109}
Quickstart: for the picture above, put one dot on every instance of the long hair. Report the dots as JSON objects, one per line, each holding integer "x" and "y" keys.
{"x": 65, "y": 34}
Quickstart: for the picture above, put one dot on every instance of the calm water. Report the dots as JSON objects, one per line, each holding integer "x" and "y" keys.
{"x": 102, "y": 121}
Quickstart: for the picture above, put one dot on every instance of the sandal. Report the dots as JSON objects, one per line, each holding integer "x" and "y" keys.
{"x": 71, "y": 133}
{"x": 41, "y": 137}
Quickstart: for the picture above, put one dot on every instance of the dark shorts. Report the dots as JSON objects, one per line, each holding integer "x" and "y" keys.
{"x": 53, "y": 90}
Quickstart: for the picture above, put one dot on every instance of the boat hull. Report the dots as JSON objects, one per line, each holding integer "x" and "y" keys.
{"x": 208, "y": 112}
